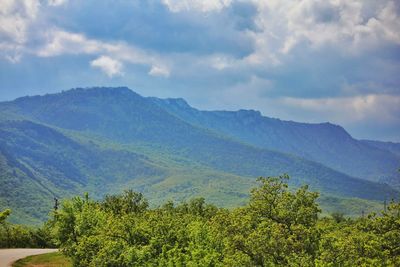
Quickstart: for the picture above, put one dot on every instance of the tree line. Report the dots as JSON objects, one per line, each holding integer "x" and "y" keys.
{"x": 21, "y": 236}
{"x": 278, "y": 227}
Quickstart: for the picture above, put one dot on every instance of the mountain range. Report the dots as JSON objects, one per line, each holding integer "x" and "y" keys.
{"x": 104, "y": 140}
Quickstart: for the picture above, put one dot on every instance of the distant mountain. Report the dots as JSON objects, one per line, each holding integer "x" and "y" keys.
{"x": 325, "y": 143}
{"x": 104, "y": 140}
{"x": 394, "y": 148}
{"x": 389, "y": 146}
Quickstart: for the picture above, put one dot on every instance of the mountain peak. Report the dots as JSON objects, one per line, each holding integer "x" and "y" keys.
{"x": 249, "y": 113}
{"x": 123, "y": 90}
{"x": 80, "y": 91}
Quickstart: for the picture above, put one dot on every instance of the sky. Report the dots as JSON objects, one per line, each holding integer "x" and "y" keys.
{"x": 301, "y": 60}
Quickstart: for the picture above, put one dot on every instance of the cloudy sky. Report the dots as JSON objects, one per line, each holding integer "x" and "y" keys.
{"x": 302, "y": 60}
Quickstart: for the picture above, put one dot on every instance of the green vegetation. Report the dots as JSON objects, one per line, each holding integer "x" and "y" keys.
{"x": 104, "y": 140}
{"x": 325, "y": 143}
{"x": 278, "y": 227}
{"x": 4, "y": 215}
{"x": 55, "y": 259}
{"x": 19, "y": 236}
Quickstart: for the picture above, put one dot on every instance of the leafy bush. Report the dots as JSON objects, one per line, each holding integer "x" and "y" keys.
{"x": 19, "y": 236}
{"x": 277, "y": 228}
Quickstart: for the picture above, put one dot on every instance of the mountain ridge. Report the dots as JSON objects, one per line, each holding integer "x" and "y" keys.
{"x": 110, "y": 139}
{"x": 326, "y": 143}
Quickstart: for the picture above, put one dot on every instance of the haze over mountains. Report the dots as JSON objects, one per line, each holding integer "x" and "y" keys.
{"x": 326, "y": 143}
{"x": 104, "y": 140}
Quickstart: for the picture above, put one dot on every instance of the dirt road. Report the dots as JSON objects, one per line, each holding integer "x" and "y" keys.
{"x": 8, "y": 256}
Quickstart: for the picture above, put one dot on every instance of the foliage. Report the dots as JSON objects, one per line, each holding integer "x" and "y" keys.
{"x": 278, "y": 227}
{"x": 369, "y": 241}
{"x": 3, "y": 215}
{"x": 19, "y": 236}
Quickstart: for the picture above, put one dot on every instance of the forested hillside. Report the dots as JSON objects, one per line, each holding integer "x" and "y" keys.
{"x": 105, "y": 140}
{"x": 325, "y": 143}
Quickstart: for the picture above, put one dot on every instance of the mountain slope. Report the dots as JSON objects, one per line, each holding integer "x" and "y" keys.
{"x": 39, "y": 163}
{"x": 326, "y": 143}
{"x": 389, "y": 146}
{"x": 123, "y": 116}
{"x": 32, "y": 176}
{"x": 105, "y": 140}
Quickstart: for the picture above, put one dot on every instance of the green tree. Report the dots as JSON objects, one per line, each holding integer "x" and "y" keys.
{"x": 128, "y": 202}
{"x": 4, "y": 214}
{"x": 278, "y": 227}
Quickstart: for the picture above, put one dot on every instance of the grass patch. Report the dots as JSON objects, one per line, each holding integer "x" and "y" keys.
{"x": 55, "y": 259}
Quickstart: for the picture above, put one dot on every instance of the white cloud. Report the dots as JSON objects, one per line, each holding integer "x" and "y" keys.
{"x": 379, "y": 108}
{"x": 16, "y": 16}
{"x": 108, "y": 65}
{"x": 386, "y": 25}
{"x": 349, "y": 26}
{"x": 159, "y": 71}
{"x": 196, "y": 5}
{"x": 60, "y": 42}
{"x": 56, "y": 2}
{"x": 221, "y": 62}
